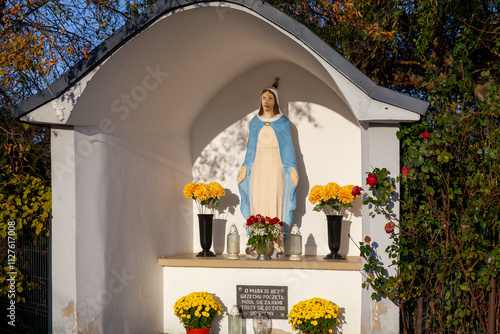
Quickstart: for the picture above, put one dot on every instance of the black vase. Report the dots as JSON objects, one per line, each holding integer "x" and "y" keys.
{"x": 334, "y": 236}
{"x": 205, "y": 222}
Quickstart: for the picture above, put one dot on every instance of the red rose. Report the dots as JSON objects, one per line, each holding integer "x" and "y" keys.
{"x": 425, "y": 135}
{"x": 371, "y": 180}
{"x": 249, "y": 221}
{"x": 356, "y": 191}
{"x": 405, "y": 171}
{"x": 389, "y": 227}
{"x": 282, "y": 224}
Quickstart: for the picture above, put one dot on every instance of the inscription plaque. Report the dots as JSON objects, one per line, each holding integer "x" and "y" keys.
{"x": 272, "y": 300}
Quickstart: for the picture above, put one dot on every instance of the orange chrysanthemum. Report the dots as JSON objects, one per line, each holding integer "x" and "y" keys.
{"x": 315, "y": 194}
{"x": 202, "y": 193}
{"x": 331, "y": 191}
{"x": 189, "y": 190}
{"x": 345, "y": 194}
{"x": 216, "y": 190}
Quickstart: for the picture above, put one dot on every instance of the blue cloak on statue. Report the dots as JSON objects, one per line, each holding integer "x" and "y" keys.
{"x": 281, "y": 127}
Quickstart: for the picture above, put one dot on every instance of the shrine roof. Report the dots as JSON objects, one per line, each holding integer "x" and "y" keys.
{"x": 162, "y": 7}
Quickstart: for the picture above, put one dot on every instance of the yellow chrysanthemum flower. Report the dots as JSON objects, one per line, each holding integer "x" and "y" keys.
{"x": 199, "y": 304}
{"x": 330, "y": 191}
{"x": 345, "y": 194}
{"x": 189, "y": 190}
{"x": 216, "y": 190}
{"x": 315, "y": 194}
{"x": 202, "y": 193}
{"x": 316, "y": 312}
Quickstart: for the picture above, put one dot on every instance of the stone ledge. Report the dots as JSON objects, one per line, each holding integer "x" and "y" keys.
{"x": 308, "y": 262}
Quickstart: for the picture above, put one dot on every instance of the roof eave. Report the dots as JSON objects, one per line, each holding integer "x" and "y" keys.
{"x": 159, "y": 8}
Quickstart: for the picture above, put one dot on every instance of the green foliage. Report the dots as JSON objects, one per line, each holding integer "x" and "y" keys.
{"x": 383, "y": 190}
{"x": 21, "y": 284}
{"x": 27, "y": 202}
{"x": 39, "y": 40}
{"x": 445, "y": 241}
{"x": 446, "y": 247}
{"x": 25, "y": 205}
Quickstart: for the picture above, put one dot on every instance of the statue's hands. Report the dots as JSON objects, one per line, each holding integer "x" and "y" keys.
{"x": 294, "y": 177}
{"x": 242, "y": 173}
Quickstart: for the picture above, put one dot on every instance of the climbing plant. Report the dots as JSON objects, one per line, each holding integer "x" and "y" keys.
{"x": 445, "y": 240}
{"x": 446, "y": 245}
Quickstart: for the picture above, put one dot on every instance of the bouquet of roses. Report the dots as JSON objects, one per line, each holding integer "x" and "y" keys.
{"x": 263, "y": 230}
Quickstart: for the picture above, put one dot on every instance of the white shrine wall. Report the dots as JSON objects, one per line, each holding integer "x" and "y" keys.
{"x": 340, "y": 287}
{"x": 327, "y": 141}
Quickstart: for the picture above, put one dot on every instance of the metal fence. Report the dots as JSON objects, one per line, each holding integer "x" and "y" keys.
{"x": 33, "y": 261}
{"x": 429, "y": 318}
{"x": 458, "y": 308}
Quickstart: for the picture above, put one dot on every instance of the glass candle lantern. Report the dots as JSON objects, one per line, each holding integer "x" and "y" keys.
{"x": 261, "y": 324}
{"x": 295, "y": 243}
{"x": 234, "y": 321}
{"x": 233, "y": 243}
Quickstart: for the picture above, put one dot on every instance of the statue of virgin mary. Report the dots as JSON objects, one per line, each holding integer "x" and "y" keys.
{"x": 268, "y": 177}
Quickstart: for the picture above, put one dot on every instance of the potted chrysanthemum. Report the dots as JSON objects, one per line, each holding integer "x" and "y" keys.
{"x": 206, "y": 197}
{"x": 196, "y": 311}
{"x": 314, "y": 316}
{"x": 333, "y": 200}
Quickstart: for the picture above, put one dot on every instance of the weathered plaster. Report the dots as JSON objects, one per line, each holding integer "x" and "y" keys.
{"x": 68, "y": 310}
{"x": 379, "y": 310}
{"x": 89, "y": 328}
{"x": 279, "y": 331}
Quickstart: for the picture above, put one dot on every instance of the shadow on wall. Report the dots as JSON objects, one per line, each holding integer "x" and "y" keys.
{"x": 221, "y": 158}
{"x": 219, "y": 133}
{"x": 341, "y": 318}
{"x": 241, "y": 97}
